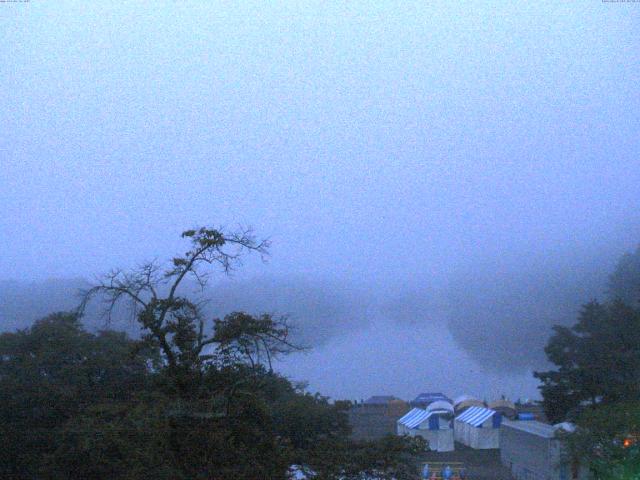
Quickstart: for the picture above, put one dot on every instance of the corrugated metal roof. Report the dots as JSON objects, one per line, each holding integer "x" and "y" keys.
{"x": 532, "y": 426}
{"x": 414, "y": 418}
{"x": 476, "y": 416}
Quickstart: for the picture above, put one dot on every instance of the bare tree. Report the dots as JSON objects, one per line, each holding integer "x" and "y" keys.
{"x": 176, "y": 324}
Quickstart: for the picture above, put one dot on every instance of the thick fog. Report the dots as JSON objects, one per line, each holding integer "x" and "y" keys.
{"x": 441, "y": 183}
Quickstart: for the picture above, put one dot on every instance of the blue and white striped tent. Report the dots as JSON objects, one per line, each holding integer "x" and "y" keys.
{"x": 414, "y": 417}
{"x": 478, "y": 427}
{"x": 476, "y": 416}
{"x": 432, "y": 425}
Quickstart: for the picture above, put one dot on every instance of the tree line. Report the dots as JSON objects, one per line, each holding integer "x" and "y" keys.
{"x": 595, "y": 382}
{"x": 192, "y": 398}
{"x": 198, "y": 398}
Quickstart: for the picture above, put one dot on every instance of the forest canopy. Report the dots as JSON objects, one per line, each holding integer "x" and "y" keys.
{"x": 192, "y": 398}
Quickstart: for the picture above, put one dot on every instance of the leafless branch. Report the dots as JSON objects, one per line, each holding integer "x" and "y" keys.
{"x": 175, "y": 323}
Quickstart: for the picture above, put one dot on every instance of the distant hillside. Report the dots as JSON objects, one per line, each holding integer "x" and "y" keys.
{"x": 490, "y": 315}
{"x": 318, "y": 310}
{"x": 506, "y": 317}
{"x": 21, "y": 303}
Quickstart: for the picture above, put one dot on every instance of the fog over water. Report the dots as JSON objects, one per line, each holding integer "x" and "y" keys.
{"x": 404, "y": 360}
{"x": 441, "y": 183}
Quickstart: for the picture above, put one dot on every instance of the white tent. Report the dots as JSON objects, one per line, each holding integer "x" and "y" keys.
{"x": 478, "y": 427}
{"x": 440, "y": 406}
{"x": 432, "y": 425}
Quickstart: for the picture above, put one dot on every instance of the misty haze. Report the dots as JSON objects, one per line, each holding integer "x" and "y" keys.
{"x": 385, "y": 200}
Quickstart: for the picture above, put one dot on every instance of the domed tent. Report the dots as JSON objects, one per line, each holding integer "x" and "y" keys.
{"x": 435, "y": 426}
{"x": 440, "y": 406}
{"x": 478, "y": 427}
{"x": 461, "y": 403}
{"x": 505, "y": 407}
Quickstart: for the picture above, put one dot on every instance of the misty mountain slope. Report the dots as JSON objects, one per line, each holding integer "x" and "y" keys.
{"x": 386, "y": 340}
{"x": 22, "y": 303}
{"x": 501, "y": 317}
{"x": 317, "y": 310}
{"x": 504, "y": 318}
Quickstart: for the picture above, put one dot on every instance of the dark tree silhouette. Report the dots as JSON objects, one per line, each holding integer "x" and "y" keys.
{"x": 175, "y": 323}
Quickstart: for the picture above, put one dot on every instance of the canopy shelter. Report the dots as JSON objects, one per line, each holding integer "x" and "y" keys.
{"x": 478, "y": 427}
{"x": 461, "y": 403}
{"x": 434, "y": 426}
{"x": 506, "y": 407}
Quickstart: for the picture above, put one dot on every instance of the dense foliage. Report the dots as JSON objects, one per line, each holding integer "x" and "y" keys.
{"x": 624, "y": 282}
{"x": 607, "y": 439}
{"x": 193, "y": 398}
{"x": 51, "y": 373}
{"x": 76, "y": 405}
{"x": 596, "y": 382}
{"x": 598, "y": 361}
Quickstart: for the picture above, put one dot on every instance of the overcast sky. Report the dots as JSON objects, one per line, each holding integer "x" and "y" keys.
{"x": 396, "y": 147}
